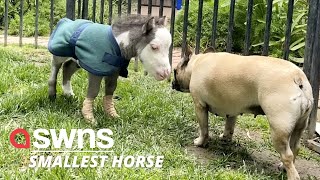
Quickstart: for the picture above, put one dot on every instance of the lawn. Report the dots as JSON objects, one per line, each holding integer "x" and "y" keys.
{"x": 155, "y": 120}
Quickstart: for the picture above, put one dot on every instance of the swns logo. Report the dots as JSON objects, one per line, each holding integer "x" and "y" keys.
{"x": 46, "y": 142}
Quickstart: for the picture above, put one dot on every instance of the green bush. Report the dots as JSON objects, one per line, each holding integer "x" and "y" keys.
{"x": 44, "y": 15}
{"x": 29, "y": 12}
{"x": 277, "y": 34}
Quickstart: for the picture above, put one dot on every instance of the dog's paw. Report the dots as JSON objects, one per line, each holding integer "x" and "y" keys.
{"x": 225, "y": 138}
{"x": 281, "y": 167}
{"x": 201, "y": 141}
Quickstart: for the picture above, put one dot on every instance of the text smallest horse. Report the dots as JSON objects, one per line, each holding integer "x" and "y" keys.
{"x": 104, "y": 51}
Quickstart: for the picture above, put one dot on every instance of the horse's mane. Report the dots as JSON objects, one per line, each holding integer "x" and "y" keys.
{"x": 130, "y": 20}
{"x": 133, "y": 20}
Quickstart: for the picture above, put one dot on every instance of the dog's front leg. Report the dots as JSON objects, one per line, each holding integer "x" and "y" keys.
{"x": 228, "y": 129}
{"x": 110, "y": 87}
{"x": 202, "y": 117}
{"x": 92, "y": 93}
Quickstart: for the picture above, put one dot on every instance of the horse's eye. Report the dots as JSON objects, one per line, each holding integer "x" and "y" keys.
{"x": 154, "y": 47}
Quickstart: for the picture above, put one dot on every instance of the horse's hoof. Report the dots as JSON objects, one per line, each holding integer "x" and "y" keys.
{"x": 68, "y": 94}
{"x": 113, "y": 115}
{"x": 91, "y": 120}
{"x": 52, "y": 97}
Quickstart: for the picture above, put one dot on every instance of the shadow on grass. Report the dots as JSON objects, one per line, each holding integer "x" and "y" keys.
{"x": 237, "y": 155}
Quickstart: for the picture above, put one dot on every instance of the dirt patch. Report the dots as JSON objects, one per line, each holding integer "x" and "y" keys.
{"x": 261, "y": 159}
{"x": 42, "y": 41}
{"x": 201, "y": 154}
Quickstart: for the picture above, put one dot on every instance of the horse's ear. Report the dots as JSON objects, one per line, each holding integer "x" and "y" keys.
{"x": 149, "y": 25}
{"x": 209, "y": 49}
{"x": 187, "y": 56}
{"x": 161, "y": 21}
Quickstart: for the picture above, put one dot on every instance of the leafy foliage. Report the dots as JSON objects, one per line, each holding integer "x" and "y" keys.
{"x": 29, "y": 12}
{"x": 278, "y": 26}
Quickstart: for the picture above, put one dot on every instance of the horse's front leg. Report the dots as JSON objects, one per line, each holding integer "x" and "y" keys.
{"x": 110, "y": 87}
{"x": 92, "y": 93}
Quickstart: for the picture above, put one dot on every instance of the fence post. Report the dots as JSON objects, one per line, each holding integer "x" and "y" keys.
{"x": 6, "y": 22}
{"x": 173, "y": 14}
{"x": 110, "y": 12}
{"x": 94, "y": 6}
{"x": 230, "y": 26}
{"x": 79, "y": 9}
{"x": 265, "y": 51}
{"x": 214, "y": 24}
{"x": 139, "y": 7}
{"x": 102, "y": 12}
{"x": 199, "y": 27}
{"x": 161, "y": 8}
{"x": 21, "y": 22}
{"x": 185, "y": 27}
{"x": 70, "y": 9}
{"x": 85, "y": 9}
{"x": 247, "y": 43}
{"x": 129, "y": 7}
{"x": 119, "y": 8}
{"x": 36, "y": 24}
{"x": 149, "y": 7}
{"x": 288, "y": 31}
{"x": 311, "y": 62}
{"x": 51, "y": 15}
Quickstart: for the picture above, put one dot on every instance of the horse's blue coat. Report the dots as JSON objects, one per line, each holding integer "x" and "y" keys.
{"x": 91, "y": 43}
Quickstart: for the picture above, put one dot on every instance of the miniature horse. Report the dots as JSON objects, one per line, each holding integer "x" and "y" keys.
{"x": 134, "y": 36}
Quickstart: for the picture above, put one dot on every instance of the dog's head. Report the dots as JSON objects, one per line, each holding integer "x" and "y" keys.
{"x": 183, "y": 71}
{"x": 182, "y": 75}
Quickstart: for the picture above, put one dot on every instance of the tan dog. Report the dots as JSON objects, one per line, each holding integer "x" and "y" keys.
{"x": 228, "y": 85}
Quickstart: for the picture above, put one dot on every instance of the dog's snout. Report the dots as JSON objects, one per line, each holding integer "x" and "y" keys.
{"x": 175, "y": 85}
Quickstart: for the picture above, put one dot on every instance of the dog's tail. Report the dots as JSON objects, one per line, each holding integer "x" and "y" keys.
{"x": 307, "y": 97}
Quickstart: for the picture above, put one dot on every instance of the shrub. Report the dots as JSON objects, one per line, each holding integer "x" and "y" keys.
{"x": 44, "y": 15}
{"x": 29, "y": 16}
{"x": 277, "y": 34}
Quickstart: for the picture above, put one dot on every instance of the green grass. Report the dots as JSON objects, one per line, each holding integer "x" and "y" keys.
{"x": 155, "y": 120}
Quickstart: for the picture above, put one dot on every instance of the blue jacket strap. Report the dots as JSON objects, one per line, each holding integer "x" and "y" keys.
{"x": 76, "y": 33}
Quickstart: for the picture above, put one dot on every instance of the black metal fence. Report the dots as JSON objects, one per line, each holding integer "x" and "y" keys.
{"x": 312, "y": 47}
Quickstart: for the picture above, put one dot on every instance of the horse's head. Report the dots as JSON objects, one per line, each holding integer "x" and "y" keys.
{"x": 147, "y": 38}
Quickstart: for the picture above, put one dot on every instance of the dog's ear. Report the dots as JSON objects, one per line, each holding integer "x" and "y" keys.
{"x": 148, "y": 26}
{"x": 188, "y": 53}
{"x": 187, "y": 56}
{"x": 209, "y": 50}
{"x": 161, "y": 21}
